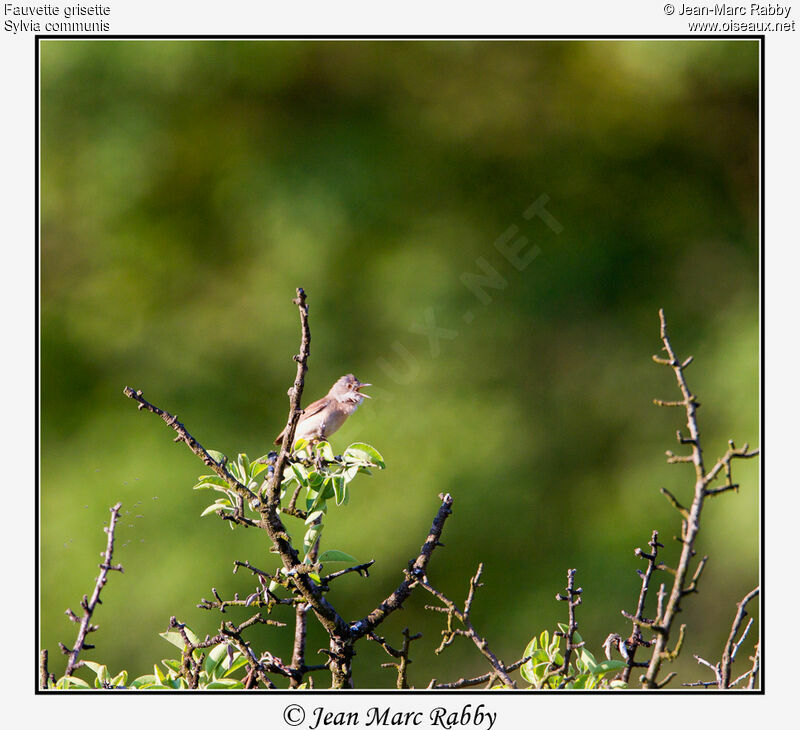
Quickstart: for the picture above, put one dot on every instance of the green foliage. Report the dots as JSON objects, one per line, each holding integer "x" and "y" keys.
{"x": 324, "y": 476}
{"x": 545, "y": 667}
{"x": 217, "y": 669}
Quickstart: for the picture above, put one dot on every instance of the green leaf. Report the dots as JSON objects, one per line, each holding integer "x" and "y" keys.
{"x": 64, "y": 683}
{"x": 239, "y": 662}
{"x": 224, "y": 683}
{"x": 233, "y": 469}
{"x": 327, "y": 491}
{"x": 311, "y": 536}
{"x": 314, "y": 479}
{"x": 172, "y": 664}
{"x": 300, "y": 444}
{"x": 213, "y": 479}
{"x": 174, "y": 638}
{"x": 218, "y": 456}
{"x": 588, "y": 659}
{"x": 213, "y": 662}
{"x": 335, "y": 556}
{"x": 146, "y": 680}
{"x": 316, "y": 578}
{"x": 212, "y": 482}
{"x": 220, "y": 504}
{"x": 94, "y": 666}
{"x": 120, "y": 680}
{"x": 299, "y": 473}
{"x": 323, "y": 449}
{"x": 364, "y": 452}
{"x": 191, "y": 635}
{"x": 257, "y": 468}
{"x": 314, "y": 515}
{"x": 339, "y": 489}
{"x": 609, "y": 665}
{"x": 544, "y": 639}
{"x": 527, "y": 669}
{"x": 244, "y": 464}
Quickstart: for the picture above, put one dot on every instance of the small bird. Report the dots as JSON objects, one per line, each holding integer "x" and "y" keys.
{"x": 326, "y": 415}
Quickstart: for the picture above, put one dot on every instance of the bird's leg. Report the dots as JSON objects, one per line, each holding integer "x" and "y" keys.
{"x": 317, "y": 461}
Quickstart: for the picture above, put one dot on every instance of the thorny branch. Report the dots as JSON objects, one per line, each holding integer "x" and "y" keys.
{"x": 308, "y": 595}
{"x": 463, "y": 616}
{"x": 401, "y": 654}
{"x": 230, "y": 633}
{"x": 89, "y": 604}
{"x": 732, "y": 645}
{"x": 573, "y": 599}
{"x": 691, "y": 516}
{"x": 722, "y": 669}
{"x": 489, "y": 678}
{"x": 44, "y": 675}
{"x": 295, "y": 394}
{"x": 756, "y": 659}
{"x": 415, "y": 574}
{"x": 627, "y": 647}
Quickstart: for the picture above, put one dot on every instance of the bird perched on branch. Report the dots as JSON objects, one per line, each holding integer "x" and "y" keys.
{"x": 326, "y": 415}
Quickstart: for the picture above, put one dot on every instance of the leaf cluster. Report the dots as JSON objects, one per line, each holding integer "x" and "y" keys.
{"x": 545, "y": 668}
{"x": 216, "y": 669}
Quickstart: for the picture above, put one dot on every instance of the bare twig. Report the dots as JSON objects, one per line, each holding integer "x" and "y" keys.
{"x": 362, "y": 569}
{"x": 44, "y": 676}
{"x": 89, "y": 604}
{"x": 401, "y": 654}
{"x": 756, "y": 659}
{"x": 573, "y": 599}
{"x": 463, "y": 616}
{"x": 299, "y": 648}
{"x": 296, "y": 573}
{"x": 270, "y": 521}
{"x": 472, "y": 681}
{"x": 731, "y": 645}
{"x": 627, "y": 648}
{"x": 691, "y": 516}
{"x": 196, "y": 447}
{"x": 295, "y": 394}
{"x": 722, "y": 669}
{"x": 414, "y": 574}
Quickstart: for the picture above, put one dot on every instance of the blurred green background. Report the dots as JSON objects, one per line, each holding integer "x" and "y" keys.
{"x": 189, "y": 187}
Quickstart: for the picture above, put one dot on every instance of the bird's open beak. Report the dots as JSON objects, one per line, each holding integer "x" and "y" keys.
{"x": 363, "y": 385}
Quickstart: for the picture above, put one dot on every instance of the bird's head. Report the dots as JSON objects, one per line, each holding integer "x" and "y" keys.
{"x": 348, "y": 388}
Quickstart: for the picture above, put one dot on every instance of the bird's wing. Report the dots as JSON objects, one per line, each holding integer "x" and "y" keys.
{"x": 309, "y": 411}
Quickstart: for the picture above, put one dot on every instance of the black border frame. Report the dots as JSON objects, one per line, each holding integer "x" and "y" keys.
{"x": 361, "y": 692}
